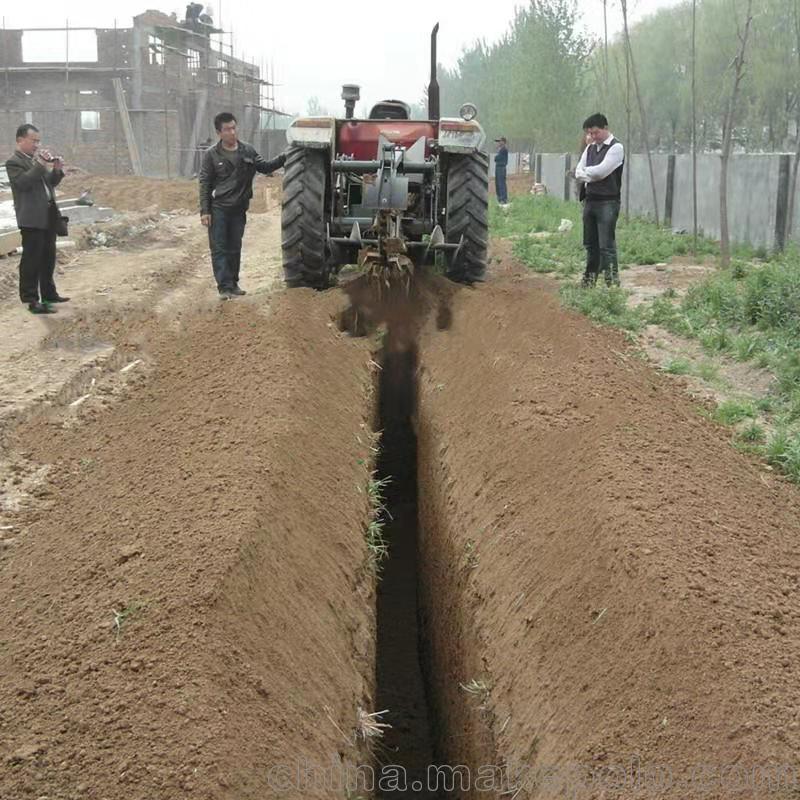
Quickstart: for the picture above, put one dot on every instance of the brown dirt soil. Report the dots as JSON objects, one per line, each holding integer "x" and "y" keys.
{"x": 607, "y": 582}
{"x": 129, "y": 193}
{"x": 218, "y": 516}
{"x": 165, "y": 269}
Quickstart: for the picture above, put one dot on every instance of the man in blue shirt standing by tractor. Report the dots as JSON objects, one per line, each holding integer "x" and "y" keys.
{"x": 500, "y": 167}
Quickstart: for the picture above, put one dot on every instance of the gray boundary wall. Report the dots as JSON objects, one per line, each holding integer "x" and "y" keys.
{"x": 514, "y": 163}
{"x": 758, "y": 189}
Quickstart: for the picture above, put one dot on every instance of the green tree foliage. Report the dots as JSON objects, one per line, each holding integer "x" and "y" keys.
{"x": 529, "y": 86}
{"x": 544, "y": 76}
{"x": 768, "y": 101}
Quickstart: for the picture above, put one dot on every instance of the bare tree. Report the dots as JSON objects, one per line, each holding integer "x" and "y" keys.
{"x": 628, "y": 131}
{"x": 605, "y": 48}
{"x": 645, "y": 137}
{"x": 694, "y": 125}
{"x": 627, "y": 101}
{"x": 796, "y": 162}
{"x": 737, "y": 65}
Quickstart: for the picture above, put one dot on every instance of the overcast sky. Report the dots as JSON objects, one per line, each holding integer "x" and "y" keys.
{"x": 317, "y": 45}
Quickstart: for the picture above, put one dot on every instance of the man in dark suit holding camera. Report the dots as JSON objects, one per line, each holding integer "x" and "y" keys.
{"x": 34, "y": 173}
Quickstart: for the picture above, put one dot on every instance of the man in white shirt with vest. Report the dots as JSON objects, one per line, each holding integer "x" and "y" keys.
{"x": 601, "y": 168}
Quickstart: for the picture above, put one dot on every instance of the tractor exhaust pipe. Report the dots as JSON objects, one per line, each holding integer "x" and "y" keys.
{"x": 433, "y": 86}
{"x": 350, "y": 94}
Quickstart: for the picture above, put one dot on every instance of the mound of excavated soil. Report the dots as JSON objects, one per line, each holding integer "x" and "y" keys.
{"x": 186, "y": 612}
{"x": 129, "y": 193}
{"x": 611, "y": 590}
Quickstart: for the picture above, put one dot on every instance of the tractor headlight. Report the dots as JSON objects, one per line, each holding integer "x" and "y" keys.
{"x": 468, "y": 112}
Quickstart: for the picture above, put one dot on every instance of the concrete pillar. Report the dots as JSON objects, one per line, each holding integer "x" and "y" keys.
{"x": 669, "y": 195}
{"x": 782, "y": 201}
{"x": 567, "y": 179}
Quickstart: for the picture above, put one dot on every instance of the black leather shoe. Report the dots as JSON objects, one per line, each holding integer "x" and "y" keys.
{"x": 57, "y": 299}
{"x": 40, "y": 308}
{"x": 238, "y": 292}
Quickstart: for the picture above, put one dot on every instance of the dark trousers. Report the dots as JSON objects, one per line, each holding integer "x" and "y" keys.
{"x": 600, "y": 240}
{"x": 225, "y": 241}
{"x": 500, "y": 184}
{"x": 37, "y": 265}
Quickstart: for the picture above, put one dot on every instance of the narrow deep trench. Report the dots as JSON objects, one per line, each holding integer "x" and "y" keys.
{"x": 400, "y": 681}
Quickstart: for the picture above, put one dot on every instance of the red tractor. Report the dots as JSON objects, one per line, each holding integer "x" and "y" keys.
{"x": 388, "y": 192}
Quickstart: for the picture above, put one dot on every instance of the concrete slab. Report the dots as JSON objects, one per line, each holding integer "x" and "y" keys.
{"x": 84, "y": 215}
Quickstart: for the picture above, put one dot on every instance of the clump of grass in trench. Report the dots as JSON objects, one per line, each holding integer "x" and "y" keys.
{"x": 377, "y": 547}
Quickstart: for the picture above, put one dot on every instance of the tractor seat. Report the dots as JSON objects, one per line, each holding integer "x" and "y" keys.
{"x": 390, "y": 109}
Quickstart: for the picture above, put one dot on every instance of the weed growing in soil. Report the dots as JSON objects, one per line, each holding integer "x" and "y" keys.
{"x": 753, "y": 434}
{"x": 471, "y": 554}
{"x": 123, "y": 616}
{"x": 678, "y": 366}
{"x": 783, "y": 451}
{"x": 475, "y": 687}
{"x": 369, "y": 726}
{"x": 733, "y": 411}
{"x": 708, "y": 371}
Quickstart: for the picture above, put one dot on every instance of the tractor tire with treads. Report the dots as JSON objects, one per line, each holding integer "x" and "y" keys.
{"x": 303, "y": 229}
{"x": 468, "y": 215}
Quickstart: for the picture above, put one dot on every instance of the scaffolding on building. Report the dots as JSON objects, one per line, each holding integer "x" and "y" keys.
{"x": 161, "y": 73}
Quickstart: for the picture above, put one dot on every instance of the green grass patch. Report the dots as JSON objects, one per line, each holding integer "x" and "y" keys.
{"x": 608, "y": 306}
{"x": 639, "y": 241}
{"x": 678, "y": 366}
{"x": 752, "y": 434}
{"x": 733, "y": 411}
{"x": 783, "y": 451}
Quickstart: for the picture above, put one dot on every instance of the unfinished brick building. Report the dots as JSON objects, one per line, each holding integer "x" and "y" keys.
{"x": 143, "y": 105}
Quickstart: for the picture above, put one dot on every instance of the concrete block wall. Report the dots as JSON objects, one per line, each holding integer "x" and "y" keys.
{"x": 52, "y": 100}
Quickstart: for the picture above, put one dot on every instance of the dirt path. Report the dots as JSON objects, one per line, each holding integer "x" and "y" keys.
{"x": 170, "y": 274}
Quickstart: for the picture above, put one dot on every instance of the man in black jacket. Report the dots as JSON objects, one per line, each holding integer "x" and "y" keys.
{"x": 226, "y": 186}
{"x": 34, "y": 174}
{"x": 500, "y": 167}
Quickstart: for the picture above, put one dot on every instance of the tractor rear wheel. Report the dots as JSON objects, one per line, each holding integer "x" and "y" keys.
{"x": 305, "y": 252}
{"x": 468, "y": 216}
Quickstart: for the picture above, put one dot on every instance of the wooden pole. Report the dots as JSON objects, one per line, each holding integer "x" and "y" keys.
{"x": 130, "y": 138}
